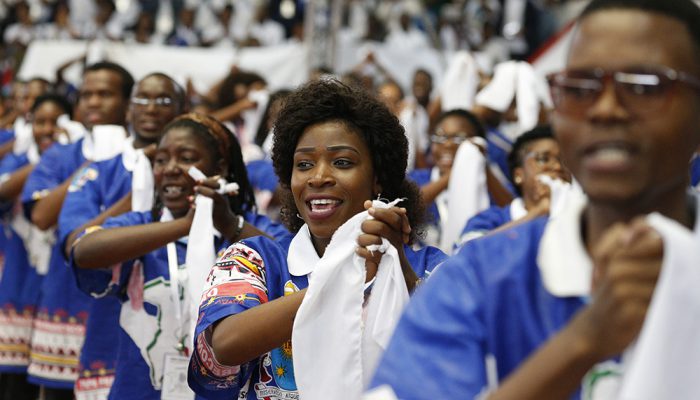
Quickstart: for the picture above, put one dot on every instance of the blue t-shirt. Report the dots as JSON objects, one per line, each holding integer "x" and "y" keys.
{"x": 59, "y": 328}
{"x": 249, "y": 273}
{"x": 488, "y": 299}
{"x": 106, "y": 183}
{"x": 497, "y": 150}
{"x": 18, "y": 282}
{"x": 6, "y": 135}
{"x": 695, "y": 171}
{"x": 422, "y": 177}
{"x": 101, "y": 185}
{"x": 261, "y": 175}
{"x": 145, "y": 318}
{"x": 144, "y": 308}
{"x": 486, "y": 221}
{"x": 57, "y": 164}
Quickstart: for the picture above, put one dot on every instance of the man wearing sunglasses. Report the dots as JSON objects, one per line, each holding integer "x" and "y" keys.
{"x": 545, "y": 309}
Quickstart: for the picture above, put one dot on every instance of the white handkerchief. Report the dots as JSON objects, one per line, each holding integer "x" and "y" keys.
{"x": 37, "y": 242}
{"x": 460, "y": 83}
{"x": 200, "y": 256}
{"x": 467, "y": 193}
{"x": 665, "y": 360}
{"x": 23, "y": 136}
{"x": 75, "y": 129}
{"x": 105, "y": 142}
{"x": 142, "y": 184}
{"x": 559, "y": 191}
{"x": 335, "y": 354}
{"x": 516, "y": 80}
{"x": 499, "y": 93}
{"x": 253, "y": 117}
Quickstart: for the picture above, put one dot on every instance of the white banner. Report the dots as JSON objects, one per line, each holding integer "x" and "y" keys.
{"x": 283, "y": 66}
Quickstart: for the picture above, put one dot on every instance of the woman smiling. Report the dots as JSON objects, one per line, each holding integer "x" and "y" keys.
{"x": 335, "y": 149}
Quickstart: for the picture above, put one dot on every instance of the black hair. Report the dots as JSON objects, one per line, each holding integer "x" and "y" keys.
{"x": 53, "y": 98}
{"x": 517, "y": 152}
{"x": 126, "y": 78}
{"x": 244, "y": 201}
{"x": 391, "y": 82}
{"x": 424, "y": 72}
{"x": 226, "y": 96}
{"x": 685, "y": 11}
{"x": 39, "y": 79}
{"x": 461, "y": 113}
{"x": 262, "y": 132}
{"x": 327, "y": 100}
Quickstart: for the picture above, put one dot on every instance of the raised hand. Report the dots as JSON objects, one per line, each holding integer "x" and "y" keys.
{"x": 225, "y": 220}
{"x": 389, "y": 223}
{"x": 627, "y": 263}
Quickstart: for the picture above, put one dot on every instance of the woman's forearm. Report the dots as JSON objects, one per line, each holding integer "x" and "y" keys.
{"x": 120, "y": 207}
{"x": 12, "y": 187}
{"x": 45, "y": 211}
{"x": 107, "y": 247}
{"x": 242, "y": 337}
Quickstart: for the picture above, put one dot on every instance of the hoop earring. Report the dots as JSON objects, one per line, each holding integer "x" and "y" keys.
{"x": 299, "y": 216}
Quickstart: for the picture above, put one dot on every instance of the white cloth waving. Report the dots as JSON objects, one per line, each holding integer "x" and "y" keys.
{"x": 666, "y": 358}
{"x": 461, "y": 82}
{"x": 467, "y": 193}
{"x": 335, "y": 352}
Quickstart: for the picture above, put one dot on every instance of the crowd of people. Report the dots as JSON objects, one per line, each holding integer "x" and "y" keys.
{"x": 502, "y": 236}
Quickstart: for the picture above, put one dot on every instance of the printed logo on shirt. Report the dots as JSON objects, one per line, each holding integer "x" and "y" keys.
{"x": 237, "y": 278}
{"x": 279, "y": 377}
{"x": 153, "y": 334}
{"x": 243, "y": 258}
{"x": 211, "y": 366}
{"x": 602, "y": 381}
{"x": 81, "y": 178}
{"x": 234, "y": 292}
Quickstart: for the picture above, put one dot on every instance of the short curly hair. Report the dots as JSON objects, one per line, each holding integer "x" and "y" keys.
{"x": 330, "y": 100}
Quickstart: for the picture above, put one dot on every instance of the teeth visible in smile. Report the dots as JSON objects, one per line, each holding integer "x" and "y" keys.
{"x": 173, "y": 190}
{"x": 611, "y": 154}
{"x": 323, "y": 204}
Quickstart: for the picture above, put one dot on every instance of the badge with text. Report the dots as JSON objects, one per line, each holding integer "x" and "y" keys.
{"x": 175, "y": 379}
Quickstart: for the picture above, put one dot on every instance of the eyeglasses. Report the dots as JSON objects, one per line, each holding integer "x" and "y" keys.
{"x": 441, "y": 138}
{"x": 544, "y": 159}
{"x": 639, "y": 90}
{"x": 158, "y": 101}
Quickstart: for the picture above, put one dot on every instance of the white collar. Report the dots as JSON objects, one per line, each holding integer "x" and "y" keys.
{"x": 302, "y": 256}
{"x": 517, "y": 209}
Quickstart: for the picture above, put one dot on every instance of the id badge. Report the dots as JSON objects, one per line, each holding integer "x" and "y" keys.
{"x": 175, "y": 378}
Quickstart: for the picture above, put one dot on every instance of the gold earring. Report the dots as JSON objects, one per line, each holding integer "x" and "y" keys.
{"x": 518, "y": 180}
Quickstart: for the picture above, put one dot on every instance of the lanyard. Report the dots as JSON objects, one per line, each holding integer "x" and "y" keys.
{"x": 173, "y": 270}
